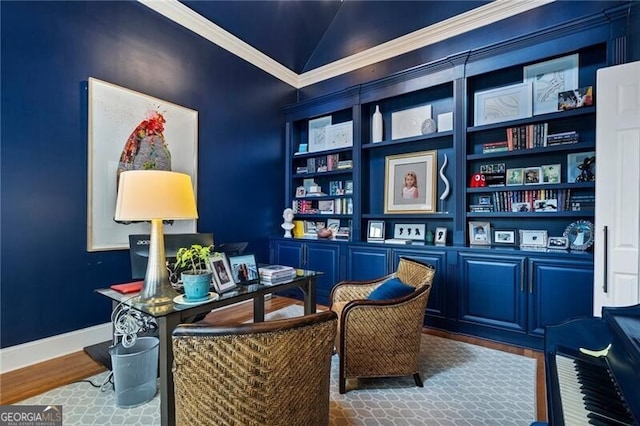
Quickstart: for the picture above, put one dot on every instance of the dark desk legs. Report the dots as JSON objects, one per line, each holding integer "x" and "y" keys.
{"x": 167, "y": 397}
{"x": 258, "y": 309}
{"x": 309, "y": 291}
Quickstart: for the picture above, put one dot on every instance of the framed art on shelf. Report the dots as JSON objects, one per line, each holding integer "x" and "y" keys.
{"x": 532, "y": 175}
{"x": 504, "y": 237}
{"x": 515, "y": 177}
{"x": 318, "y": 133}
{"x": 375, "y": 231}
{"x": 440, "y": 237}
{"x": 128, "y": 130}
{"x": 558, "y": 243}
{"x": 479, "y": 233}
{"x": 533, "y": 238}
{"x": 408, "y": 123}
{"x": 549, "y": 78}
{"x": 551, "y": 173}
{"x": 410, "y": 183}
{"x": 409, "y": 231}
{"x": 503, "y": 104}
{"x": 222, "y": 278}
{"x": 580, "y": 163}
{"x": 340, "y": 135}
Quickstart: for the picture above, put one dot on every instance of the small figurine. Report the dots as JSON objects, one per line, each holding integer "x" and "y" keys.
{"x": 287, "y": 215}
{"x": 586, "y": 175}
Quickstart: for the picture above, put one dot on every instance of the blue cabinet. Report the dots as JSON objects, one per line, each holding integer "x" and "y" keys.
{"x": 558, "y": 290}
{"x": 492, "y": 292}
{"x": 315, "y": 256}
{"x": 365, "y": 262}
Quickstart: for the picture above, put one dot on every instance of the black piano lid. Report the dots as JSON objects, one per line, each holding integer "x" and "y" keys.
{"x": 624, "y": 356}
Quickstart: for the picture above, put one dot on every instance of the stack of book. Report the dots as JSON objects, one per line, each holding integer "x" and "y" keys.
{"x": 562, "y": 138}
{"x": 276, "y": 274}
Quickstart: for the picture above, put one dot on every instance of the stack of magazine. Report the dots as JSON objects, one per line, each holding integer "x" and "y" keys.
{"x": 276, "y": 274}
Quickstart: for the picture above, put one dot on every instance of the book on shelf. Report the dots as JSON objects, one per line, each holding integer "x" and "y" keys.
{"x": 495, "y": 147}
{"x": 527, "y": 137}
{"x": 345, "y": 164}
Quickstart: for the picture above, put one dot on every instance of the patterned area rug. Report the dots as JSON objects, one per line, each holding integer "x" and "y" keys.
{"x": 463, "y": 385}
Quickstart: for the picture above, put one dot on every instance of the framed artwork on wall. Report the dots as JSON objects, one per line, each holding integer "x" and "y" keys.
{"x": 128, "y": 130}
{"x": 410, "y": 182}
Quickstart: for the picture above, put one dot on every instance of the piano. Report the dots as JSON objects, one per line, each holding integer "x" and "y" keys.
{"x": 592, "y": 369}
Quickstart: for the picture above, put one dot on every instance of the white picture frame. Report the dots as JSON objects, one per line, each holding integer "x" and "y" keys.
{"x": 551, "y": 173}
{"x": 479, "y": 234}
{"x": 375, "y": 231}
{"x": 409, "y": 231}
{"x": 532, "y": 175}
{"x": 558, "y": 243}
{"x": 222, "y": 278}
{"x": 115, "y": 113}
{"x": 533, "y": 238}
{"x": 340, "y": 135}
{"x": 318, "y": 133}
{"x": 440, "y": 236}
{"x": 503, "y": 104}
{"x": 408, "y": 123}
{"x": 549, "y": 78}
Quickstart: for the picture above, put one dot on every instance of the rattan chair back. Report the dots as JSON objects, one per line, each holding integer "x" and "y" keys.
{"x": 272, "y": 373}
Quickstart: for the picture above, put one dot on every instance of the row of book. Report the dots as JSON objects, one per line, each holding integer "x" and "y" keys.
{"x": 325, "y": 163}
{"x": 528, "y": 137}
{"x": 540, "y": 200}
{"x": 338, "y": 187}
{"x": 335, "y": 206}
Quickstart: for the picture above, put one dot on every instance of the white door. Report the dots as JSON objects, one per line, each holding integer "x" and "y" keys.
{"x": 617, "y": 228}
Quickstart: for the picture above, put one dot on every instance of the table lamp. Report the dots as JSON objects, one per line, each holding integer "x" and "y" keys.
{"x": 154, "y": 195}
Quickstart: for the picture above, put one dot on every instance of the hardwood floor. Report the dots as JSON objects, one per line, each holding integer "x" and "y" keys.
{"x": 26, "y": 382}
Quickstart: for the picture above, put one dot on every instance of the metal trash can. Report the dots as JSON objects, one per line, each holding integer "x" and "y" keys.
{"x": 135, "y": 371}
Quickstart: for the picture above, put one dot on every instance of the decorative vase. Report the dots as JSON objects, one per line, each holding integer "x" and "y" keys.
{"x": 376, "y": 126}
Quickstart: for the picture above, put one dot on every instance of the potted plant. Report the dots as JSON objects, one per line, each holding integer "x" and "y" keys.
{"x": 197, "y": 278}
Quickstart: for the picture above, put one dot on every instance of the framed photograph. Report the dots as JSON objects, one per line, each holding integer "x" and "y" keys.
{"x": 333, "y": 225}
{"x": 375, "y": 231}
{"x": 549, "y": 205}
{"x": 244, "y": 269}
{"x": 561, "y": 243}
{"x": 222, "y": 278}
{"x": 549, "y": 78}
{"x": 318, "y": 133}
{"x": 440, "y": 236}
{"x": 580, "y": 163}
{"x": 577, "y": 98}
{"x": 301, "y": 191}
{"x": 515, "y": 177}
{"x": 340, "y": 135}
{"x": 484, "y": 200}
{"x": 533, "y": 239}
{"x": 409, "y": 231}
{"x": 503, "y": 104}
{"x": 479, "y": 233}
{"x": 532, "y": 175}
{"x": 410, "y": 182}
{"x": 520, "y": 207}
{"x": 408, "y": 122}
{"x": 123, "y": 126}
{"x": 504, "y": 237}
{"x": 551, "y": 173}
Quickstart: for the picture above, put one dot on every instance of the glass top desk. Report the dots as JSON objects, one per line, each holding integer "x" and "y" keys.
{"x": 169, "y": 316}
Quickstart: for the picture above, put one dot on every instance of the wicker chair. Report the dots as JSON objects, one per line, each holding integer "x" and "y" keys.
{"x": 271, "y": 373}
{"x": 381, "y": 338}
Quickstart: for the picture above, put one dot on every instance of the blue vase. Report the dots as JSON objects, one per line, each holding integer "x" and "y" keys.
{"x": 196, "y": 286}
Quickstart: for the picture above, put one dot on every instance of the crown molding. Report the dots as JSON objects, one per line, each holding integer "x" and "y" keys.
{"x": 468, "y": 21}
{"x": 182, "y": 15}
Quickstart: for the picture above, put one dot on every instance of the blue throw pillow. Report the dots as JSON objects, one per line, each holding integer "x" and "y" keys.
{"x": 391, "y": 289}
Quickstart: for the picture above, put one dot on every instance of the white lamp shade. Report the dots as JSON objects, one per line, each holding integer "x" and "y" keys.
{"x": 155, "y": 194}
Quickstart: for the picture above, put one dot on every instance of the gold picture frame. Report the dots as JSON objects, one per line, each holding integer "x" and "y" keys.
{"x": 403, "y": 196}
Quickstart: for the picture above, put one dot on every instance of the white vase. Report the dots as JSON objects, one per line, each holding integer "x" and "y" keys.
{"x": 376, "y": 125}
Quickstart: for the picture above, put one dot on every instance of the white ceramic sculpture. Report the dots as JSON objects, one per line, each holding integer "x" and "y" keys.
{"x": 287, "y": 225}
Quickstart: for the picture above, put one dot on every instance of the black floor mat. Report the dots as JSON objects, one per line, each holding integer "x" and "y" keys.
{"x": 100, "y": 353}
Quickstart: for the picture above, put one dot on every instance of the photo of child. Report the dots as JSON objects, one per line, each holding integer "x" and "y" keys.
{"x": 410, "y": 186}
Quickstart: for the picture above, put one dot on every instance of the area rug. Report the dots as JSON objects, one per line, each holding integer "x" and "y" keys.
{"x": 464, "y": 384}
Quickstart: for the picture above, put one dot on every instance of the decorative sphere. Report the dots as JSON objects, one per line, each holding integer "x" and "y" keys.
{"x": 428, "y": 126}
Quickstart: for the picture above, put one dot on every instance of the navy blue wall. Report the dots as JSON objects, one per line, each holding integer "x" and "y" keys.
{"x": 49, "y": 49}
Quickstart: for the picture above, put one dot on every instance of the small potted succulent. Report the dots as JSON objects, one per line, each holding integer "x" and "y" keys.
{"x": 197, "y": 278}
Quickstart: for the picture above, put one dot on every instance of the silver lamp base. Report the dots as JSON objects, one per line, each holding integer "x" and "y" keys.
{"x": 157, "y": 289}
